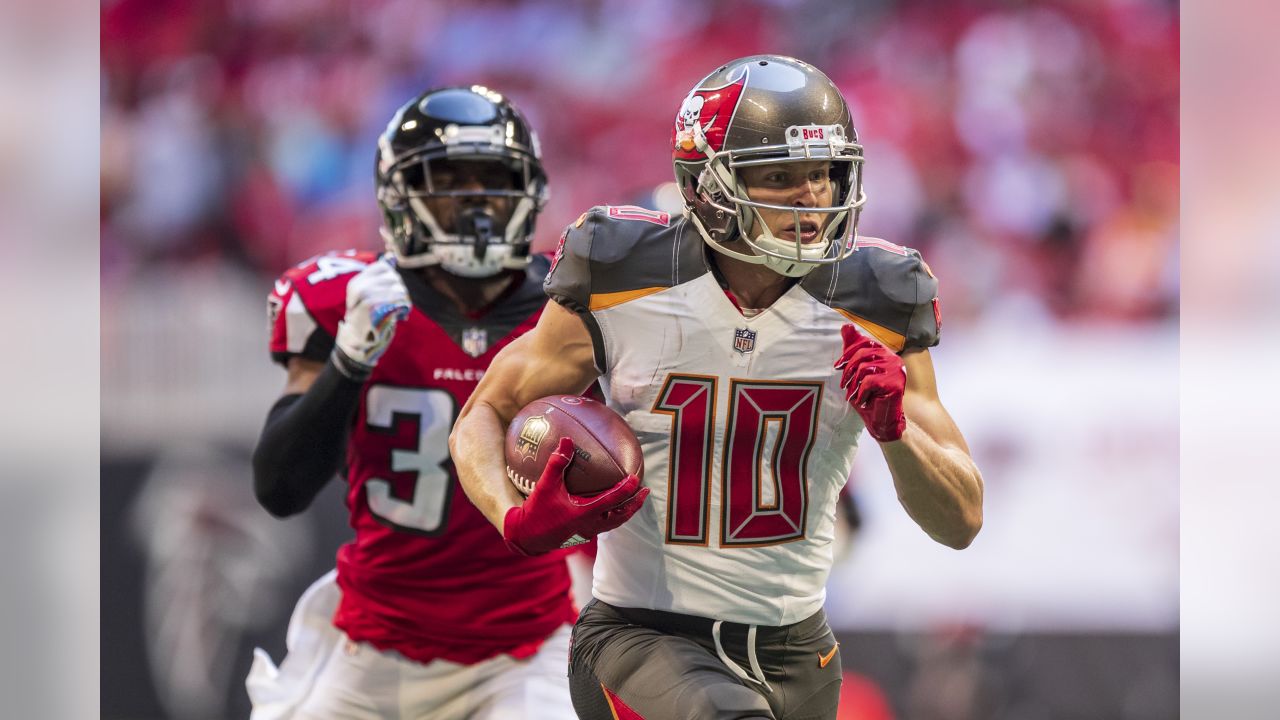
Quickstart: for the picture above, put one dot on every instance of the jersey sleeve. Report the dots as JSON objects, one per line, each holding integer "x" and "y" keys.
{"x": 568, "y": 282}
{"x": 888, "y": 291}
{"x": 924, "y": 330}
{"x": 612, "y": 254}
{"x": 307, "y": 303}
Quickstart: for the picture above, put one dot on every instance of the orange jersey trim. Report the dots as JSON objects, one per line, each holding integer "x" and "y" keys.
{"x": 603, "y": 301}
{"x": 890, "y": 339}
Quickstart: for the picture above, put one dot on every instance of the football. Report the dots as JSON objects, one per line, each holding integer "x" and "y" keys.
{"x": 604, "y": 448}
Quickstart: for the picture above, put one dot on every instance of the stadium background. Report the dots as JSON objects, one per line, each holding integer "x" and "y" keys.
{"x": 1029, "y": 149}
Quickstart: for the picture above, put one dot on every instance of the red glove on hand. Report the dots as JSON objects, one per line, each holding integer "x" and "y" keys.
{"x": 551, "y": 518}
{"x": 874, "y": 380}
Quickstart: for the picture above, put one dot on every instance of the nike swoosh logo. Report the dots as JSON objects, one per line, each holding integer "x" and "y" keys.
{"x": 282, "y": 287}
{"x": 824, "y": 659}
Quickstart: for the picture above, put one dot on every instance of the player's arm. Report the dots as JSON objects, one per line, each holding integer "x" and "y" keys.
{"x": 937, "y": 481}
{"x": 556, "y": 357}
{"x": 302, "y": 442}
{"x": 897, "y": 397}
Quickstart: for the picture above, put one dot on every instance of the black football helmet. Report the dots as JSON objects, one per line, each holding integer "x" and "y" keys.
{"x": 477, "y": 237}
{"x": 760, "y": 110}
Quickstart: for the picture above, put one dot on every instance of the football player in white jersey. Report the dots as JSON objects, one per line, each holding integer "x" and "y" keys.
{"x": 748, "y": 344}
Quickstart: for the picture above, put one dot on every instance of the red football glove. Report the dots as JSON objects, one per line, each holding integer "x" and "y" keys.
{"x": 874, "y": 380}
{"x": 551, "y": 518}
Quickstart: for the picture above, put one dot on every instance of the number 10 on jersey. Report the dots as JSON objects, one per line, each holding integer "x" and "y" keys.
{"x": 768, "y": 435}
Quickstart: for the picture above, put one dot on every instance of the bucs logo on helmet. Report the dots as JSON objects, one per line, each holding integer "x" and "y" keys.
{"x": 710, "y": 110}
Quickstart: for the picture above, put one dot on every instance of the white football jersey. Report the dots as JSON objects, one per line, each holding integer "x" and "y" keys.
{"x": 747, "y": 436}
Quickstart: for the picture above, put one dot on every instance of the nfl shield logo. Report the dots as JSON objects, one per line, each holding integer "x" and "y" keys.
{"x": 475, "y": 341}
{"x": 532, "y": 434}
{"x": 744, "y": 340}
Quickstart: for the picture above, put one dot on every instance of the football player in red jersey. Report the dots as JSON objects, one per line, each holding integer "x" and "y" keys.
{"x": 428, "y": 613}
{"x": 749, "y": 344}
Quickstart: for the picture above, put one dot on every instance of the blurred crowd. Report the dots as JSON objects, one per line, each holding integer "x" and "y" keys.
{"x": 1029, "y": 149}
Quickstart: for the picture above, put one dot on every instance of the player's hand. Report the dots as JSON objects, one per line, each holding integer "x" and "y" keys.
{"x": 874, "y": 380}
{"x": 376, "y": 301}
{"x": 551, "y": 518}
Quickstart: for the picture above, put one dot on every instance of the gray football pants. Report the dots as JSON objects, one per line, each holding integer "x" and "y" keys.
{"x": 627, "y": 663}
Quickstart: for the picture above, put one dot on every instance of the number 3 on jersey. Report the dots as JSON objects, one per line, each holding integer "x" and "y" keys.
{"x": 424, "y": 510}
{"x": 770, "y": 431}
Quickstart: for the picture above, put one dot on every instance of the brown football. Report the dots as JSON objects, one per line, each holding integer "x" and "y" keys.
{"x": 605, "y": 449}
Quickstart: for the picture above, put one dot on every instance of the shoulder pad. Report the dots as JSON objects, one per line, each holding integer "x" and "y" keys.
{"x": 612, "y": 254}
{"x": 307, "y": 303}
{"x": 886, "y": 289}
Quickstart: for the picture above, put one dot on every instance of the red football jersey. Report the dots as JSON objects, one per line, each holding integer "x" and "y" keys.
{"x": 426, "y": 575}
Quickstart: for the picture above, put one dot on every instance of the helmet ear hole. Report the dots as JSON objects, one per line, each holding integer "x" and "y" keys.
{"x": 688, "y": 184}
{"x": 704, "y": 199}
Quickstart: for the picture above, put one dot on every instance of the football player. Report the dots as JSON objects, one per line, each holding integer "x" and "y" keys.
{"x": 428, "y": 613}
{"x": 748, "y": 344}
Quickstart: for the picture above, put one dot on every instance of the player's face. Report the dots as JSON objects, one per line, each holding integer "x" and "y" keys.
{"x": 470, "y": 176}
{"x": 794, "y": 184}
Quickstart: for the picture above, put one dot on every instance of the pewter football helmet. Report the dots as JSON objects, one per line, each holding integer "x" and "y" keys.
{"x": 758, "y": 110}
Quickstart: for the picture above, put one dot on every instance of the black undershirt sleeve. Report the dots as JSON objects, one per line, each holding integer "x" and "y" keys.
{"x": 303, "y": 441}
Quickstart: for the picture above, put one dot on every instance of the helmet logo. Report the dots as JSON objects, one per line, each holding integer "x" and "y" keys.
{"x": 815, "y": 140}
{"x": 708, "y": 109}
{"x": 690, "y": 114}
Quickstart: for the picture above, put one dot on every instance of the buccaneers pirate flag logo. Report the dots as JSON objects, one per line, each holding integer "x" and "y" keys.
{"x": 710, "y": 110}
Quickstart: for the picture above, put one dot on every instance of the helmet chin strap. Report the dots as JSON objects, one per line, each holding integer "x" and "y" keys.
{"x": 766, "y": 240}
{"x": 789, "y": 268}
